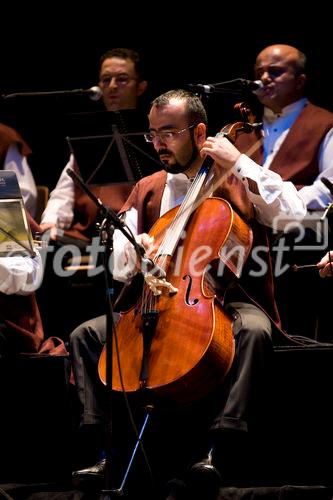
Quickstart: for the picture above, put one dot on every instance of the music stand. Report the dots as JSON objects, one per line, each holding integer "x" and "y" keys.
{"x": 109, "y": 146}
{"x": 15, "y": 232}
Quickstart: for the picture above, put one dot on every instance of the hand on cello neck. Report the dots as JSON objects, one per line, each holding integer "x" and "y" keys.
{"x": 220, "y": 149}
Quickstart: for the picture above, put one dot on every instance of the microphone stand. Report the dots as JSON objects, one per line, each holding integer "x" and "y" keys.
{"x": 110, "y": 223}
{"x": 236, "y": 86}
{"x": 94, "y": 94}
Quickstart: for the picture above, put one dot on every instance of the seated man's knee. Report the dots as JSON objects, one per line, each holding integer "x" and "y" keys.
{"x": 253, "y": 321}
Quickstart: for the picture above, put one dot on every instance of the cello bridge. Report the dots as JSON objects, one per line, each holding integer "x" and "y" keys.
{"x": 154, "y": 283}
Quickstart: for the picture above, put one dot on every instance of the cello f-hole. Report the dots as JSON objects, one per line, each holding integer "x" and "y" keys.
{"x": 188, "y": 301}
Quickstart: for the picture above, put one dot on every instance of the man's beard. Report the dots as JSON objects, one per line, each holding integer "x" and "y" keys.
{"x": 176, "y": 167}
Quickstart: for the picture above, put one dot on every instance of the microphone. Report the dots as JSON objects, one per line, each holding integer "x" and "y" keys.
{"x": 206, "y": 89}
{"x": 94, "y": 93}
{"x": 237, "y": 84}
{"x": 148, "y": 266}
{"x": 253, "y": 85}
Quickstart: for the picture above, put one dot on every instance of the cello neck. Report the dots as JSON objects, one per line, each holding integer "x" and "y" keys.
{"x": 189, "y": 204}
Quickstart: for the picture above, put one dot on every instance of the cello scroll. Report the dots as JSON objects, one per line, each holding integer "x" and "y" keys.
{"x": 247, "y": 125}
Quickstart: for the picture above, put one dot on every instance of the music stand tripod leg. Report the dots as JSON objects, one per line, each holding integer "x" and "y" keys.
{"x": 118, "y": 492}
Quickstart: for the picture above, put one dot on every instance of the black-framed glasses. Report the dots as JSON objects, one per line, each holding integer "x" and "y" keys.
{"x": 121, "y": 80}
{"x": 166, "y": 135}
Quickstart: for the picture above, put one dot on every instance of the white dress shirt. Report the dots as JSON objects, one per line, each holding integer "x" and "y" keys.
{"x": 20, "y": 274}
{"x": 60, "y": 206}
{"x": 275, "y": 130}
{"x": 18, "y": 163}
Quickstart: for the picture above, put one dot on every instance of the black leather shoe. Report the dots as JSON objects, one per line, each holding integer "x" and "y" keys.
{"x": 176, "y": 490}
{"x": 96, "y": 472}
{"x": 204, "y": 475}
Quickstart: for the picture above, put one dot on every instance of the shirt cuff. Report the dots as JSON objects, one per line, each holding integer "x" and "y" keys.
{"x": 269, "y": 183}
{"x": 245, "y": 168}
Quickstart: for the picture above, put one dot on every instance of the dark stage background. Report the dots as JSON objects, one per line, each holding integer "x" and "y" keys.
{"x": 57, "y": 47}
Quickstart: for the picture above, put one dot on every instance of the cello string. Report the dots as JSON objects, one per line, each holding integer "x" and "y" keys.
{"x": 172, "y": 234}
{"x": 177, "y": 221}
{"x": 191, "y": 201}
{"x": 148, "y": 302}
{"x": 176, "y": 227}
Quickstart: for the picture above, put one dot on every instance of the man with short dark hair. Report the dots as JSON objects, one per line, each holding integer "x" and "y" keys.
{"x": 122, "y": 82}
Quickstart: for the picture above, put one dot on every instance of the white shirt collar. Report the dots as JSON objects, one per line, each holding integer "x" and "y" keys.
{"x": 295, "y": 107}
{"x": 178, "y": 179}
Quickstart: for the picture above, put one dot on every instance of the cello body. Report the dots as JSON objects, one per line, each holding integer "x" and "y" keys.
{"x": 190, "y": 347}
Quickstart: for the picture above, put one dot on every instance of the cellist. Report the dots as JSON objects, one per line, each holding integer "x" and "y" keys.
{"x": 219, "y": 425}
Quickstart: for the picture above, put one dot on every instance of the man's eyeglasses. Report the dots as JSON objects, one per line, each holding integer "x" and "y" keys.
{"x": 121, "y": 80}
{"x": 166, "y": 135}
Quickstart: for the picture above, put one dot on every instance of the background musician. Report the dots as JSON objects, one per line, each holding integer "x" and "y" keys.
{"x": 296, "y": 141}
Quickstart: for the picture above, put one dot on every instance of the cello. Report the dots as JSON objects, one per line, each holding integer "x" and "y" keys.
{"x": 176, "y": 341}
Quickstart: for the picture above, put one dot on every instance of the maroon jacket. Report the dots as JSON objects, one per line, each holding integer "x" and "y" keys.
{"x": 86, "y": 211}
{"x": 9, "y": 136}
